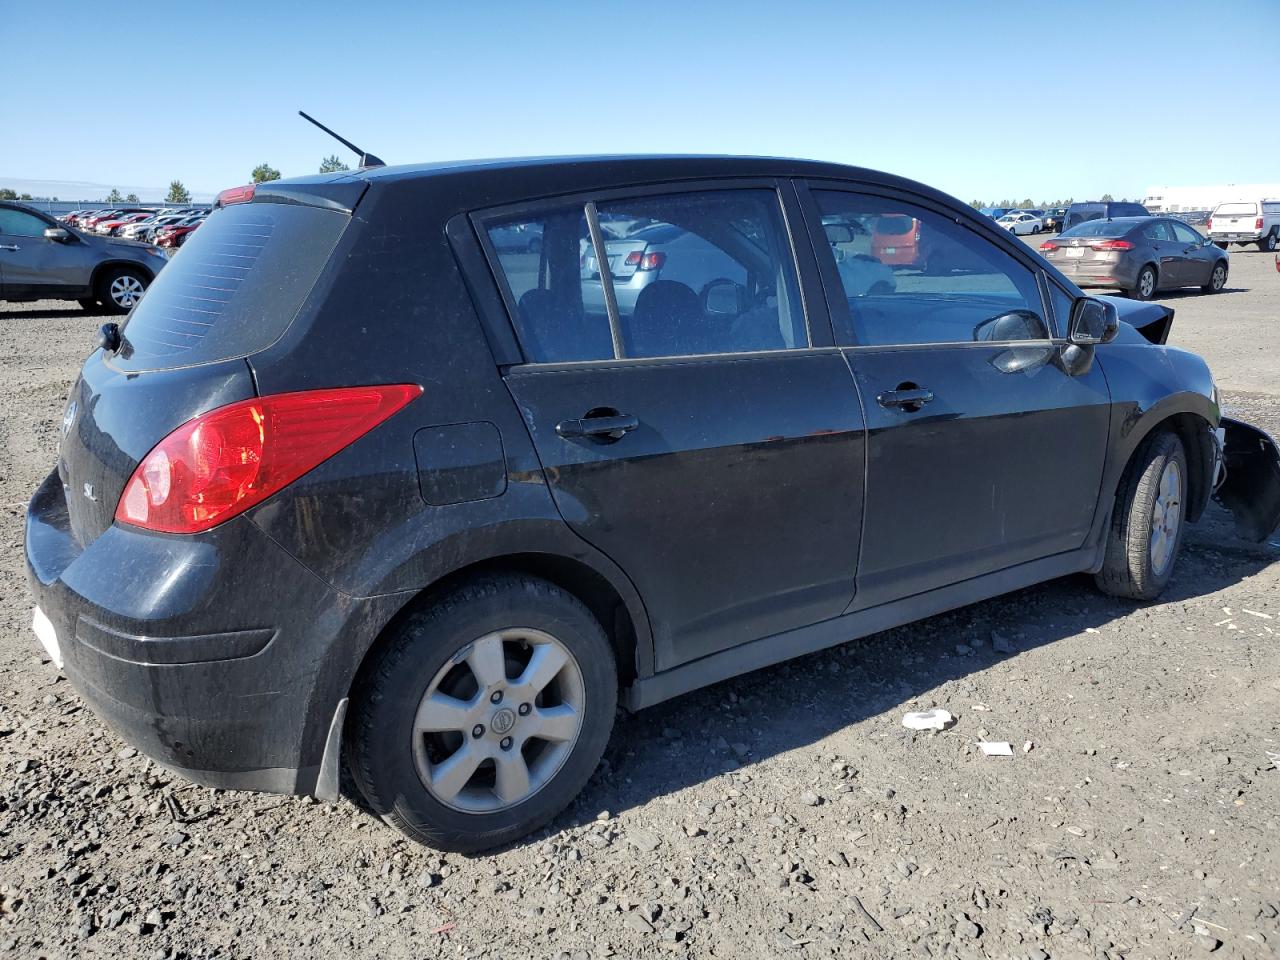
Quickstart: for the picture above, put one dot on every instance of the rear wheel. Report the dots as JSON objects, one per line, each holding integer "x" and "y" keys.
{"x": 1146, "y": 525}
{"x": 119, "y": 288}
{"x": 1145, "y": 286}
{"x": 1217, "y": 279}
{"x": 485, "y": 715}
{"x": 1268, "y": 243}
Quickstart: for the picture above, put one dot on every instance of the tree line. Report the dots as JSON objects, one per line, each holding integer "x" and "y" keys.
{"x": 1029, "y": 204}
{"x": 178, "y": 193}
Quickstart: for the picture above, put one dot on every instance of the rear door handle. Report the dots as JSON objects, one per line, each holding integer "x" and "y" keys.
{"x": 601, "y": 427}
{"x": 912, "y": 399}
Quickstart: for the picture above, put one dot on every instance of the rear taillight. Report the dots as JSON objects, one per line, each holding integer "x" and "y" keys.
{"x": 645, "y": 261}
{"x": 1049, "y": 245}
{"x": 1208, "y": 224}
{"x": 1111, "y": 245}
{"x": 235, "y": 195}
{"x": 225, "y": 461}
{"x": 1257, "y": 224}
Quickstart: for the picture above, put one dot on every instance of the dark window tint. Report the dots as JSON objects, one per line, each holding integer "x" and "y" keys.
{"x": 234, "y": 287}
{"x": 1185, "y": 234}
{"x": 19, "y": 223}
{"x": 1099, "y": 228}
{"x": 938, "y": 283}
{"x": 1127, "y": 210}
{"x": 541, "y": 259}
{"x": 711, "y": 273}
{"x": 1158, "y": 230}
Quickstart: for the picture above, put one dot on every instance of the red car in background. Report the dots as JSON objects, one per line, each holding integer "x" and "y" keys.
{"x": 175, "y": 234}
{"x": 110, "y": 226}
{"x": 895, "y": 241}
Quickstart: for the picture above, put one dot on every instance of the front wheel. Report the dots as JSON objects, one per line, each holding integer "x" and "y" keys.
{"x": 485, "y": 715}
{"x": 1217, "y": 279}
{"x": 119, "y": 288}
{"x": 1146, "y": 526}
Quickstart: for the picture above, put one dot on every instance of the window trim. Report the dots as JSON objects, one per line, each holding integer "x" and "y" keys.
{"x": 817, "y": 323}
{"x": 837, "y": 306}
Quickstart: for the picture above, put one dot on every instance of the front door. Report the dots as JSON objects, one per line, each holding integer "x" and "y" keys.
{"x": 982, "y": 453}
{"x": 32, "y": 265}
{"x": 688, "y": 423}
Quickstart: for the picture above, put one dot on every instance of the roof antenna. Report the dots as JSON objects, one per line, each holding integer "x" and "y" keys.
{"x": 366, "y": 159}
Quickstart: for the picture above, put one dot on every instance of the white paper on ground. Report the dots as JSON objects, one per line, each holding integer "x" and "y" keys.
{"x": 995, "y": 749}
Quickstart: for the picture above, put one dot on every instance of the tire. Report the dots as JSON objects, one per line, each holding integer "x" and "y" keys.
{"x": 1144, "y": 288}
{"x": 120, "y": 287}
{"x": 1220, "y": 244}
{"x": 1217, "y": 279}
{"x": 1138, "y": 565}
{"x": 1269, "y": 243}
{"x": 1035, "y": 230}
{"x": 403, "y": 771}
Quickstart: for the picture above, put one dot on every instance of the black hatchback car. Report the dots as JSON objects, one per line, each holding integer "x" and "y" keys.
{"x": 360, "y": 481}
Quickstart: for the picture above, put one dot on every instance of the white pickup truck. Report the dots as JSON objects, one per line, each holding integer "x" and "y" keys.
{"x": 1246, "y": 221}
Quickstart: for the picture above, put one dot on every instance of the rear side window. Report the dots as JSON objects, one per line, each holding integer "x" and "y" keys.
{"x": 1159, "y": 230}
{"x": 233, "y": 288}
{"x": 681, "y": 275}
{"x": 1236, "y": 210}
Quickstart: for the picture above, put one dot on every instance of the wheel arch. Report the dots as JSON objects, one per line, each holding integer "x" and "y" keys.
{"x": 132, "y": 264}
{"x": 1191, "y": 419}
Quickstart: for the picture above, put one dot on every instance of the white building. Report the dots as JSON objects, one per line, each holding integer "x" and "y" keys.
{"x": 1167, "y": 199}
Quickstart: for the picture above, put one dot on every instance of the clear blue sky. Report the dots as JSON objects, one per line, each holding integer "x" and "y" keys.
{"x": 984, "y": 99}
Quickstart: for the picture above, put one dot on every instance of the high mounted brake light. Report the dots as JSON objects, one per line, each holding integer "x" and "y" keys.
{"x": 227, "y": 460}
{"x": 235, "y": 195}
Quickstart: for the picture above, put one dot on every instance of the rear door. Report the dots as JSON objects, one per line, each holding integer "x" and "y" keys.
{"x": 982, "y": 453}
{"x": 1197, "y": 258}
{"x": 1158, "y": 234}
{"x": 702, "y": 431}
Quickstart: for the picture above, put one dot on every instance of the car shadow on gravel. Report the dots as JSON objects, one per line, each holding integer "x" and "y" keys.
{"x": 44, "y": 314}
{"x": 739, "y": 722}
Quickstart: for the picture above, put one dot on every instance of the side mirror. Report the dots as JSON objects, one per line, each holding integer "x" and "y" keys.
{"x": 1093, "y": 321}
{"x": 58, "y": 234}
{"x": 723, "y": 298}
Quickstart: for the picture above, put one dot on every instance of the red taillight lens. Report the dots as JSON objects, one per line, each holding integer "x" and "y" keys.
{"x": 229, "y": 459}
{"x": 235, "y": 195}
{"x": 1111, "y": 245}
{"x": 1049, "y": 245}
{"x": 645, "y": 261}
{"x": 1208, "y": 224}
{"x": 1257, "y": 224}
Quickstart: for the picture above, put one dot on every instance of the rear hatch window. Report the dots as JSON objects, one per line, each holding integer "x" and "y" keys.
{"x": 233, "y": 289}
{"x": 1236, "y": 210}
{"x": 894, "y": 226}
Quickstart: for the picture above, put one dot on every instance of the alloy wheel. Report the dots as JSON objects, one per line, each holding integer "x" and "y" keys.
{"x": 1219, "y": 279}
{"x": 126, "y": 290}
{"x": 498, "y": 720}
{"x": 1146, "y": 284}
{"x": 1166, "y": 517}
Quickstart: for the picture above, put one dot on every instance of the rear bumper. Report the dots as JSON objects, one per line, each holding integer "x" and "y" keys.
{"x": 1094, "y": 274}
{"x": 1237, "y": 237}
{"x": 219, "y": 656}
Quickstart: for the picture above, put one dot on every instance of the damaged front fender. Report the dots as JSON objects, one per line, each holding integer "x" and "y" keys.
{"x": 1250, "y": 484}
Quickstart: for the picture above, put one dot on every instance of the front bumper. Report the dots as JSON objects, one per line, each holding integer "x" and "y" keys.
{"x": 219, "y": 656}
{"x": 1250, "y": 485}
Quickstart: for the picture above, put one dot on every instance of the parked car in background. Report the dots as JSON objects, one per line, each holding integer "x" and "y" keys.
{"x": 1053, "y": 218}
{"x": 110, "y": 226}
{"x": 1021, "y": 223}
{"x": 1140, "y": 255}
{"x": 144, "y": 230}
{"x": 1196, "y": 218}
{"x": 174, "y": 235}
{"x": 1246, "y": 221}
{"x": 1082, "y": 212}
{"x": 262, "y": 550}
{"x": 41, "y": 258}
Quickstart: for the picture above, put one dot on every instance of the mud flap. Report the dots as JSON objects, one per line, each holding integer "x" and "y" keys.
{"x": 1250, "y": 487}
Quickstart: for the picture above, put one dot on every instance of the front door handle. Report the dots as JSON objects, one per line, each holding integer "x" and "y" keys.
{"x": 905, "y": 399}
{"x": 9, "y": 246}
{"x": 603, "y": 428}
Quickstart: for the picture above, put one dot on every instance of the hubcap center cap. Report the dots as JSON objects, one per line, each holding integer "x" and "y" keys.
{"x": 502, "y": 721}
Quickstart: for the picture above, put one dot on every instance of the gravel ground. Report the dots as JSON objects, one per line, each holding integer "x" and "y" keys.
{"x": 785, "y": 813}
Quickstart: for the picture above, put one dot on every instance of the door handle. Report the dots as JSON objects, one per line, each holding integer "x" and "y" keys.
{"x": 9, "y": 246}
{"x": 905, "y": 399}
{"x": 611, "y": 427}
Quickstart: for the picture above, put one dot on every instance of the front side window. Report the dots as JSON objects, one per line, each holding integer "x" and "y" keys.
{"x": 915, "y": 276}
{"x": 19, "y": 223}
{"x": 686, "y": 274}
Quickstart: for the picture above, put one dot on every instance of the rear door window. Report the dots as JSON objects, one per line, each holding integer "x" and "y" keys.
{"x": 233, "y": 289}
{"x": 678, "y": 275}
{"x": 1236, "y": 210}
